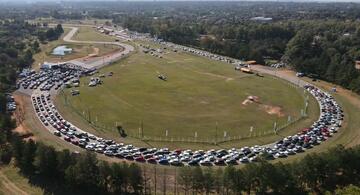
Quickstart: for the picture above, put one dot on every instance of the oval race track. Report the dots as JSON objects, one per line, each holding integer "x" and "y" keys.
{"x": 45, "y": 84}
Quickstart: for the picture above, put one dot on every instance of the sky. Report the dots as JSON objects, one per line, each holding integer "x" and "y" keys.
{"x": 33, "y": 1}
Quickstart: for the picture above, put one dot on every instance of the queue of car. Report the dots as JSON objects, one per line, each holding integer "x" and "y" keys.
{"x": 328, "y": 123}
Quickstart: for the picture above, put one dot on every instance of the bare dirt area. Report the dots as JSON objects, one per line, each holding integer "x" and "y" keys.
{"x": 9, "y": 187}
{"x": 19, "y": 116}
{"x": 96, "y": 53}
{"x": 271, "y": 110}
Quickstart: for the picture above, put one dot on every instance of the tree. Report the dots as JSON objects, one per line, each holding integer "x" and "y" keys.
{"x": 84, "y": 175}
{"x": 118, "y": 178}
{"x": 208, "y": 181}
{"x": 46, "y": 161}
{"x": 27, "y": 158}
{"x": 227, "y": 179}
{"x": 59, "y": 29}
{"x": 185, "y": 178}
{"x": 36, "y": 46}
{"x": 197, "y": 180}
{"x": 64, "y": 161}
{"x": 105, "y": 173}
{"x": 135, "y": 178}
{"x": 5, "y": 153}
{"x": 349, "y": 190}
{"x": 218, "y": 181}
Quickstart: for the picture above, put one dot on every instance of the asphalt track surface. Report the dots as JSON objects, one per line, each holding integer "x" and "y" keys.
{"x": 98, "y": 62}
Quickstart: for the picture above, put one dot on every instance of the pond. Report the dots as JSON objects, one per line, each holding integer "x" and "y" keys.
{"x": 61, "y": 50}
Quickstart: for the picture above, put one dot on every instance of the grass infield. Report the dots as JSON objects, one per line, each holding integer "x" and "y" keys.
{"x": 200, "y": 95}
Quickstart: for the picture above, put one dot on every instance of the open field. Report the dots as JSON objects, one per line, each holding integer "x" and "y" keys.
{"x": 79, "y": 50}
{"x": 74, "y": 22}
{"x": 86, "y": 33}
{"x": 346, "y": 137}
{"x": 201, "y": 95}
{"x": 12, "y": 183}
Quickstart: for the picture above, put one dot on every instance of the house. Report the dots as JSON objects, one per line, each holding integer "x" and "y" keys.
{"x": 261, "y": 19}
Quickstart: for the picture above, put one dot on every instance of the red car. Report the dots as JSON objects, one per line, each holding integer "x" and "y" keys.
{"x": 75, "y": 142}
{"x": 304, "y": 131}
{"x": 140, "y": 159}
{"x": 66, "y": 138}
{"x": 177, "y": 151}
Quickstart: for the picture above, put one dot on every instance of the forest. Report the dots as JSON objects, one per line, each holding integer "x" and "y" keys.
{"x": 325, "y": 48}
{"x": 319, "y": 39}
{"x": 83, "y": 173}
{"x": 315, "y": 44}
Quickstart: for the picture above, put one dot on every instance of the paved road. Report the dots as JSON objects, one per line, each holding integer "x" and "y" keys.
{"x": 98, "y": 62}
{"x": 280, "y": 74}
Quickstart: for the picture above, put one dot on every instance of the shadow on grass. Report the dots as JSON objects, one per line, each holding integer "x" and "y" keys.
{"x": 50, "y": 186}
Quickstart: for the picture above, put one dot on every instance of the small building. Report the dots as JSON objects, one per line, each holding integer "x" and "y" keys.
{"x": 50, "y": 65}
{"x": 261, "y": 19}
{"x": 250, "y": 62}
{"x": 357, "y": 64}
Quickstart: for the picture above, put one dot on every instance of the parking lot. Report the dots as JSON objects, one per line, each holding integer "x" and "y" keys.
{"x": 44, "y": 85}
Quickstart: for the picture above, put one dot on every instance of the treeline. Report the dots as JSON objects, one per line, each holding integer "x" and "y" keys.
{"x": 43, "y": 165}
{"x": 16, "y": 50}
{"x": 325, "y": 49}
{"x": 50, "y": 34}
{"x": 328, "y": 50}
{"x": 247, "y": 41}
{"x": 79, "y": 173}
{"x": 75, "y": 173}
{"x": 316, "y": 173}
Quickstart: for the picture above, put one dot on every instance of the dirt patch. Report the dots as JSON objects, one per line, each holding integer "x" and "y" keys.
{"x": 229, "y": 79}
{"x": 204, "y": 102}
{"x": 272, "y": 110}
{"x": 19, "y": 116}
{"x": 95, "y": 52}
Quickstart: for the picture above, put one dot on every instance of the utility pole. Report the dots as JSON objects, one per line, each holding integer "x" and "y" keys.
{"x": 142, "y": 129}
{"x": 216, "y": 132}
{"x": 89, "y": 115}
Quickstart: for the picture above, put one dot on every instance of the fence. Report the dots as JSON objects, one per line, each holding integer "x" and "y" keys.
{"x": 98, "y": 125}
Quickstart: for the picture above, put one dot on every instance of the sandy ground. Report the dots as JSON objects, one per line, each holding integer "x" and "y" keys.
{"x": 19, "y": 115}
{"x": 272, "y": 110}
{"x": 9, "y": 187}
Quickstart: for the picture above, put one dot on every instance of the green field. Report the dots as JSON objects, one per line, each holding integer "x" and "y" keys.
{"x": 79, "y": 50}
{"x": 86, "y": 33}
{"x": 200, "y": 96}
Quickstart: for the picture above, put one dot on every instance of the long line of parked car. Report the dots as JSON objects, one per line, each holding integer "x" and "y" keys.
{"x": 328, "y": 123}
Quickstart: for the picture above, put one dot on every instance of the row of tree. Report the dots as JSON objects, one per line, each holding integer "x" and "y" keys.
{"x": 51, "y": 34}
{"x": 43, "y": 165}
{"x": 326, "y": 49}
{"x": 85, "y": 174}
{"x": 319, "y": 173}
{"x": 80, "y": 173}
